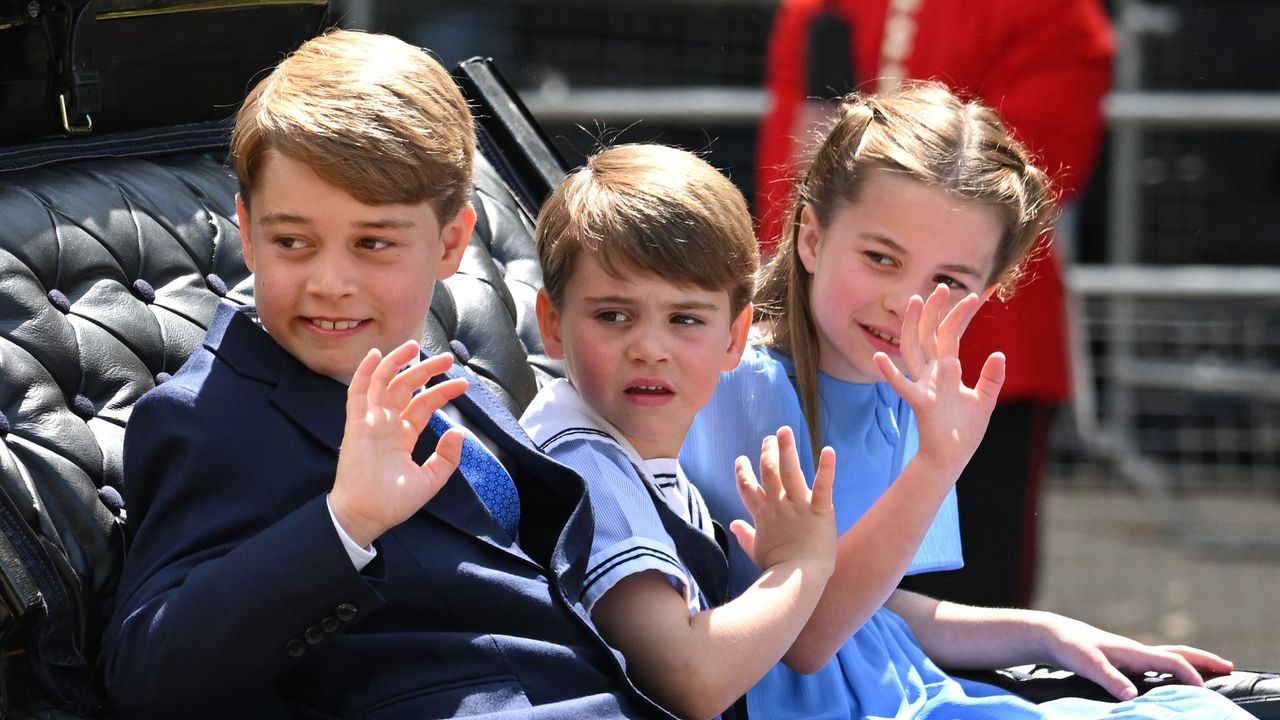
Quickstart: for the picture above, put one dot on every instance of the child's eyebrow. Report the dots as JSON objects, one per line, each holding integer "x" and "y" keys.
{"x": 283, "y": 218}
{"x": 952, "y": 268}
{"x": 695, "y": 305}
{"x": 625, "y": 300}
{"x": 386, "y": 223}
{"x": 610, "y": 300}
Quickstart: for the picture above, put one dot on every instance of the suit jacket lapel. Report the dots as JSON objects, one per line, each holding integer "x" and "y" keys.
{"x": 556, "y": 525}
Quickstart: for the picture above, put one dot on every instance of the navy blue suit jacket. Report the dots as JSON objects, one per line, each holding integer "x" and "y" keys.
{"x": 239, "y": 600}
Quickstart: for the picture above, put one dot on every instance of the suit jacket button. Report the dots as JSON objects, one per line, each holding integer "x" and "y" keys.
{"x": 330, "y": 624}
{"x": 345, "y": 612}
{"x": 296, "y": 648}
{"x": 312, "y": 635}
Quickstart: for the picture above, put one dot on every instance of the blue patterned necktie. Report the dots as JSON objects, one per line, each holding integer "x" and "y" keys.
{"x": 488, "y": 478}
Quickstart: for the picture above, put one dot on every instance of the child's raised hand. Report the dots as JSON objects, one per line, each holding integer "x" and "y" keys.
{"x": 792, "y": 522}
{"x": 378, "y": 484}
{"x": 952, "y": 418}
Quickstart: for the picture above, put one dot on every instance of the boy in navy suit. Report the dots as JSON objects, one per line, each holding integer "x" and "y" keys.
{"x": 301, "y": 545}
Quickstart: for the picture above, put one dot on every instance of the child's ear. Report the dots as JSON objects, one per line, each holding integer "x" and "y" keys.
{"x": 453, "y": 241}
{"x": 808, "y": 237}
{"x": 549, "y": 326}
{"x": 738, "y": 333}
{"x": 246, "y": 246}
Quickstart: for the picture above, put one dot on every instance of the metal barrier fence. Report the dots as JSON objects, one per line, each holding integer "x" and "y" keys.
{"x": 1187, "y": 363}
{"x": 1177, "y": 382}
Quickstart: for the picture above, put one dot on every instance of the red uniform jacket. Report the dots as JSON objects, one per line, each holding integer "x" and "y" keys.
{"x": 1044, "y": 65}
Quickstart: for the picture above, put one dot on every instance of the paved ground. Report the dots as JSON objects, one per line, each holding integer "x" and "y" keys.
{"x": 1106, "y": 560}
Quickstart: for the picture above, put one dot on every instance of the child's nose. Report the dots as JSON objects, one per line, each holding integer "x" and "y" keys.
{"x": 895, "y": 300}
{"x": 647, "y": 343}
{"x": 330, "y": 276}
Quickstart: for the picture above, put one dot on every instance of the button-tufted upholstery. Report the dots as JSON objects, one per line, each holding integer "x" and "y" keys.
{"x": 107, "y": 272}
{"x": 110, "y": 270}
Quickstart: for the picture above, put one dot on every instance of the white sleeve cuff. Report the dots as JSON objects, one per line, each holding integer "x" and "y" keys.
{"x": 360, "y": 557}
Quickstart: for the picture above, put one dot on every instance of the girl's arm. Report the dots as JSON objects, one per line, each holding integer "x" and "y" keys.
{"x": 873, "y": 554}
{"x": 698, "y": 665}
{"x": 965, "y": 637}
{"x": 871, "y": 557}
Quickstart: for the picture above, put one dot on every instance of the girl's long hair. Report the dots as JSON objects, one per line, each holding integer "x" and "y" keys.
{"x": 924, "y": 131}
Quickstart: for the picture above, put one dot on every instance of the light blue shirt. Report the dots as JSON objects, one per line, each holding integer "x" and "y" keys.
{"x": 871, "y": 428}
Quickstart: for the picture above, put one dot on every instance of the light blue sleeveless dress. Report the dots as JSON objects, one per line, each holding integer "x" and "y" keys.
{"x": 881, "y": 672}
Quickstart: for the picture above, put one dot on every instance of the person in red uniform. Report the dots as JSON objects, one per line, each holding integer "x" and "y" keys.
{"x": 1045, "y": 66}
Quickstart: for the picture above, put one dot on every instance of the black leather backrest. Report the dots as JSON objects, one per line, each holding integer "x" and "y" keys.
{"x": 109, "y": 272}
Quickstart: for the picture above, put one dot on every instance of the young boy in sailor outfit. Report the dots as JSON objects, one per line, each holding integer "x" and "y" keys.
{"x": 649, "y": 258}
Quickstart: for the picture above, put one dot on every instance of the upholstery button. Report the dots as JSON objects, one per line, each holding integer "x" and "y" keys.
{"x": 330, "y": 624}
{"x": 111, "y": 498}
{"x": 345, "y": 612}
{"x": 313, "y": 635}
{"x": 295, "y": 648}
{"x": 163, "y": 377}
{"x": 459, "y": 350}
{"x": 4, "y": 424}
{"x": 83, "y": 406}
{"x": 144, "y": 291}
{"x": 60, "y": 301}
{"x": 216, "y": 284}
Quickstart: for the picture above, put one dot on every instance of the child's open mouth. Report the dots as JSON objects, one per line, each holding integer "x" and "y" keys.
{"x": 894, "y": 341}
{"x": 647, "y": 390}
{"x": 334, "y": 325}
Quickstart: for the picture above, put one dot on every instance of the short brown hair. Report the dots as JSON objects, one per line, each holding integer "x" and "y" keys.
{"x": 655, "y": 209}
{"x": 371, "y": 114}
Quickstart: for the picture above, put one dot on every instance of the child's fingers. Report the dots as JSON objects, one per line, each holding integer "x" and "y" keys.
{"x": 1175, "y": 664}
{"x": 748, "y": 489}
{"x": 909, "y": 338}
{"x": 420, "y": 408}
{"x": 746, "y": 535}
{"x": 824, "y": 480}
{"x": 893, "y": 375}
{"x": 407, "y": 382}
{"x": 930, "y": 319}
{"x": 769, "y": 475}
{"x": 388, "y": 367}
{"x": 1202, "y": 660}
{"x": 357, "y": 392}
{"x": 793, "y": 483}
{"x": 955, "y": 323}
{"x": 403, "y": 354}
{"x": 1113, "y": 681}
{"x": 991, "y": 379}
{"x": 948, "y": 373}
{"x": 447, "y": 456}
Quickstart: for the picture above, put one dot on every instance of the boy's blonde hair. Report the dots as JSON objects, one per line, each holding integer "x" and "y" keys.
{"x": 369, "y": 113}
{"x": 922, "y": 131}
{"x": 653, "y": 209}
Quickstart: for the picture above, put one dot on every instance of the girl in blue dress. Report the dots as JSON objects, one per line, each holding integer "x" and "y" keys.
{"x": 910, "y": 195}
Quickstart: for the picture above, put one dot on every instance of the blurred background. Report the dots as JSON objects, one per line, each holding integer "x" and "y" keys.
{"x": 1160, "y": 511}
